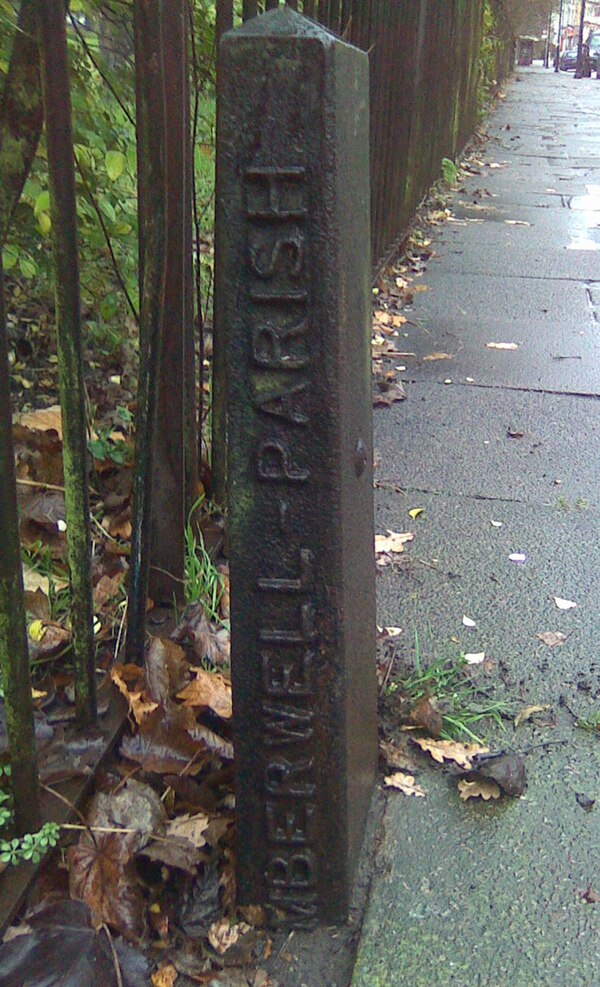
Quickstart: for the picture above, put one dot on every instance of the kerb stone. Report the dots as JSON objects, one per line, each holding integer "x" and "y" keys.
{"x": 292, "y": 290}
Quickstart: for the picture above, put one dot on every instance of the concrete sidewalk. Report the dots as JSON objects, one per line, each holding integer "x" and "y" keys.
{"x": 474, "y": 893}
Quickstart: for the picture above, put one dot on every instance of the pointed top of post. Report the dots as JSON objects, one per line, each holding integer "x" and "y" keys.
{"x": 284, "y": 22}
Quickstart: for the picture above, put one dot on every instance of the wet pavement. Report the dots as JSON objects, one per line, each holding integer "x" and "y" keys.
{"x": 476, "y": 894}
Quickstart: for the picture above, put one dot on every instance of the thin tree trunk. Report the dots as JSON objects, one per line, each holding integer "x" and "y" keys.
{"x": 151, "y": 182}
{"x": 57, "y": 106}
{"x": 14, "y": 654}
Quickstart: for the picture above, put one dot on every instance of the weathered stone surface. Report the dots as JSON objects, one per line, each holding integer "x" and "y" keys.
{"x": 292, "y": 299}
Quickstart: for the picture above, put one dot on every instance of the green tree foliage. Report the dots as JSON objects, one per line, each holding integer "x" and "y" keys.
{"x": 100, "y": 39}
{"x": 529, "y": 17}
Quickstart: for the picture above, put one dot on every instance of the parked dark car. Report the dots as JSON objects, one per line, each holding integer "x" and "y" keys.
{"x": 568, "y": 60}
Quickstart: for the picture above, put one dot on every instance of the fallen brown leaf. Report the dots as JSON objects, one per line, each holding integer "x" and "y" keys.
{"x": 450, "y": 750}
{"x": 383, "y": 317}
{"x": 42, "y": 515}
{"x": 405, "y": 784}
{"x": 427, "y": 717}
{"x": 507, "y": 770}
{"x": 34, "y": 580}
{"x": 176, "y": 853}
{"x": 552, "y": 638}
{"x": 208, "y": 639}
{"x": 212, "y": 741}
{"x": 119, "y": 526}
{"x": 528, "y": 712}
{"x": 393, "y": 542}
{"x": 165, "y": 976}
{"x": 386, "y": 393}
{"x": 38, "y": 455}
{"x": 165, "y": 665}
{"x": 164, "y": 748}
{"x": 106, "y": 589}
{"x": 138, "y": 706}
{"x": 42, "y": 420}
{"x": 208, "y": 690}
{"x": 222, "y": 935}
{"x": 101, "y": 869}
{"x": 37, "y": 604}
{"x": 396, "y": 757}
{"x": 478, "y": 788}
{"x": 189, "y": 827}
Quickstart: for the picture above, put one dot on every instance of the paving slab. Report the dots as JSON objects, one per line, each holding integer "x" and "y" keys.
{"x": 521, "y": 226}
{"x": 466, "y": 432}
{"x": 476, "y": 894}
{"x": 480, "y": 296}
{"x": 554, "y": 325}
{"x": 539, "y": 260}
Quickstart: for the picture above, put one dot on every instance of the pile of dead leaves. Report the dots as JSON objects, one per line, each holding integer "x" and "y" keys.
{"x": 481, "y": 774}
{"x": 38, "y": 461}
{"x": 156, "y": 861}
{"x": 153, "y": 865}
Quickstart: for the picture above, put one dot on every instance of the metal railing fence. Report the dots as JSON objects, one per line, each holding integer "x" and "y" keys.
{"x": 424, "y": 79}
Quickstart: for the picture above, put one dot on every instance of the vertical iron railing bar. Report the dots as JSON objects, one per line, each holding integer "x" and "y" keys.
{"x": 224, "y": 17}
{"x": 174, "y": 481}
{"x": 398, "y": 145}
{"x": 362, "y": 38}
{"x": 393, "y": 165}
{"x": 390, "y": 46}
{"x": 407, "y": 26}
{"x": 14, "y": 652}
{"x": 346, "y": 19}
{"x": 308, "y": 8}
{"x": 151, "y": 175}
{"x": 249, "y": 9}
{"x": 377, "y": 79}
{"x": 334, "y": 15}
{"x": 61, "y": 174}
{"x": 323, "y": 16}
{"x": 196, "y": 304}
{"x": 392, "y": 170}
{"x": 271, "y": 4}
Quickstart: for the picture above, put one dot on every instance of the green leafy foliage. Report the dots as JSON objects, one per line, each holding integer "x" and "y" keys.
{"x": 30, "y": 847}
{"x": 449, "y": 171}
{"x": 100, "y": 41}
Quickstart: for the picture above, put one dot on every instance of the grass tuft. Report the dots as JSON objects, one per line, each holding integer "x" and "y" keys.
{"x": 203, "y": 581}
{"x": 449, "y": 686}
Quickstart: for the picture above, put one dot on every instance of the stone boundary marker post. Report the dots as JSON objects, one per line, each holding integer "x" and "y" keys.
{"x": 292, "y": 290}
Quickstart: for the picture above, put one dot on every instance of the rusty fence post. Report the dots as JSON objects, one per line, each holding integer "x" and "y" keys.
{"x": 175, "y": 439}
